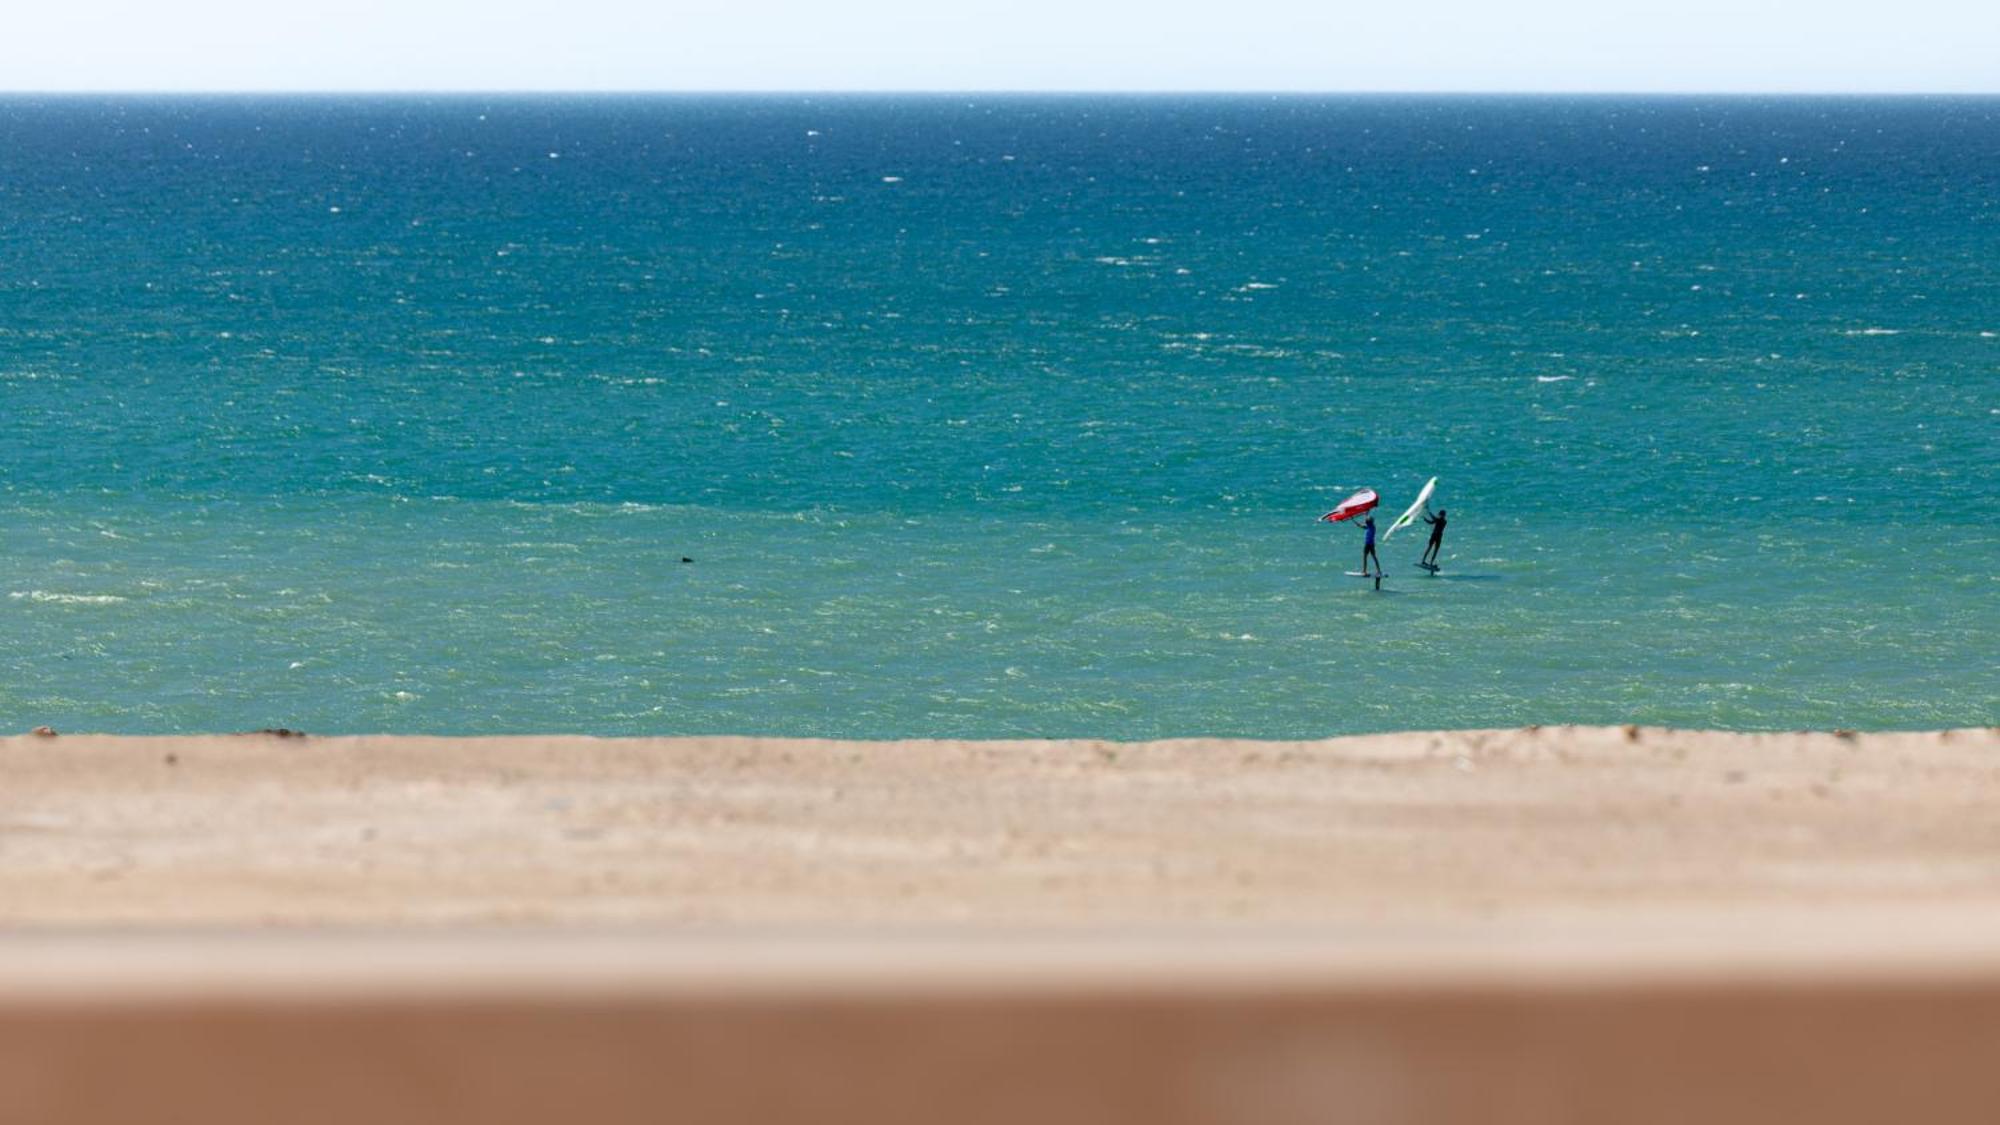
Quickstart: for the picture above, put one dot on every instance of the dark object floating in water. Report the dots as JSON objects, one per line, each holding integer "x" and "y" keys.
{"x": 684, "y": 558}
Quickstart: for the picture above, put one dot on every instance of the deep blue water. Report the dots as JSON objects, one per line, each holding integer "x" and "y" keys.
{"x": 996, "y": 416}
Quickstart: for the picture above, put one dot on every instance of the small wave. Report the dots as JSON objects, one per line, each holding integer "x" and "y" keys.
{"x": 66, "y": 599}
{"x": 1553, "y": 378}
{"x": 1872, "y": 332}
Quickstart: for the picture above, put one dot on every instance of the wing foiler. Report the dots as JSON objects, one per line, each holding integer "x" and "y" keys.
{"x": 1410, "y": 516}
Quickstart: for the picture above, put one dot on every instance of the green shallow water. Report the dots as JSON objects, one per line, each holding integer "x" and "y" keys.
{"x": 492, "y": 617}
{"x": 1001, "y": 419}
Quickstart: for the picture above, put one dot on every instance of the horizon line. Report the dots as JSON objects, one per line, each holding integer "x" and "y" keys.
{"x": 576, "y": 92}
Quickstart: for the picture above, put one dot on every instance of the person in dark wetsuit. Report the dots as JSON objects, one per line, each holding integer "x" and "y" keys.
{"x": 1437, "y": 536}
{"x": 1368, "y": 547}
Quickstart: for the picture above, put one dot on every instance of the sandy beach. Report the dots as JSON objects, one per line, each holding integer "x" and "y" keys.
{"x": 1469, "y": 826}
{"x": 1556, "y": 924}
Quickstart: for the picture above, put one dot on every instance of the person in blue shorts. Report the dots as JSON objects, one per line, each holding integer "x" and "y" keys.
{"x": 1437, "y": 537}
{"x": 1368, "y": 547}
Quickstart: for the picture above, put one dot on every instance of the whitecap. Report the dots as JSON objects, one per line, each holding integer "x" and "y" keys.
{"x": 67, "y": 599}
{"x": 1553, "y": 378}
{"x": 1872, "y": 332}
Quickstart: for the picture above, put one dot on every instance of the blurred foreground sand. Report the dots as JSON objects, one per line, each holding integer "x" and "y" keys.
{"x": 1564, "y": 924}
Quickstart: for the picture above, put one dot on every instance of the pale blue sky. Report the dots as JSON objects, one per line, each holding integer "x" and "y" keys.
{"x": 1401, "y": 45}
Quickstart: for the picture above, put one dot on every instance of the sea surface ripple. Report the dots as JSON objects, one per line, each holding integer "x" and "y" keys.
{"x": 996, "y": 417}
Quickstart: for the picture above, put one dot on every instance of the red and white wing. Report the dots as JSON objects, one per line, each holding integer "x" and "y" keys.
{"x": 1353, "y": 506}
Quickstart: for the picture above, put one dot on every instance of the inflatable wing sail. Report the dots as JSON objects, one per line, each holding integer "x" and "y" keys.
{"x": 1353, "y": 506}
{"x": 1409, "y": 517}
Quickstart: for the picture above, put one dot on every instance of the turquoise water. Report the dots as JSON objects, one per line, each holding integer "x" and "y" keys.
{"x": 995, "y": 417}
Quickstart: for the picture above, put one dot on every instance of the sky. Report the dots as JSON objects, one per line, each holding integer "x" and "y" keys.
{"x": 1824, "y": 46}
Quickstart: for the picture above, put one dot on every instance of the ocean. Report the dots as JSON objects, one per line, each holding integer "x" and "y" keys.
{"x": 994, "y": 417}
